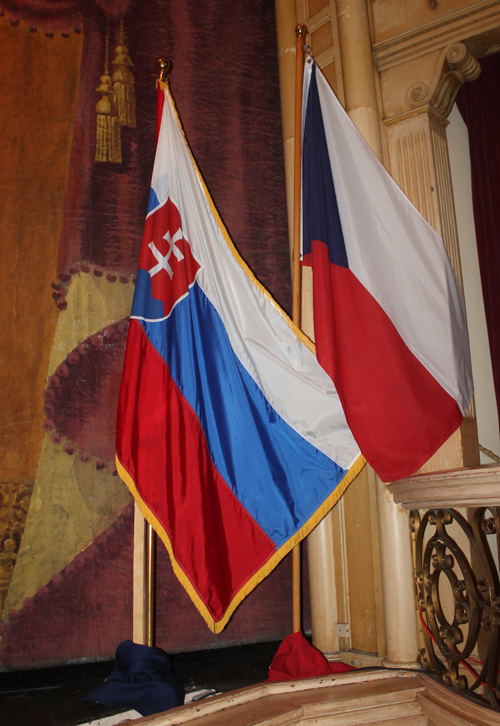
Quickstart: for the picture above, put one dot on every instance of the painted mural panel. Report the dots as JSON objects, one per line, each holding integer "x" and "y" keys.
{"x": 77, "y": 120}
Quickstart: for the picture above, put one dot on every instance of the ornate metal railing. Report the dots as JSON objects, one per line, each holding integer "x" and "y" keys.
{"x": 453, "y": 641}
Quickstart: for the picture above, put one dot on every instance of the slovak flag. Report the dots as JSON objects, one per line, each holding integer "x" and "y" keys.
{"x": 230, "y": 435}
{"x": 389, "y": 314}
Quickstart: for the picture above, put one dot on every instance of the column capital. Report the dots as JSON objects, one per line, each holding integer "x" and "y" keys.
{"x": 455, "y": 66}
{"x": 425, "y": 109}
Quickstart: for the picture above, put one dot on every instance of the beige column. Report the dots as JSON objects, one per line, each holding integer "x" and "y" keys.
{"x": 357, "y": 70}
{"x": 395, "y": 547}
{"x": 401, "y": 638}
{"x": 324, "y": 610}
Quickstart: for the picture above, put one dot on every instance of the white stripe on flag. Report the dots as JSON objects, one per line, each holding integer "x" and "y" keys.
{"x": 285, "y": 370}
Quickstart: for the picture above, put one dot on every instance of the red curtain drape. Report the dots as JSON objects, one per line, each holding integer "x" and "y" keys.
{"x": 479, "y": 104}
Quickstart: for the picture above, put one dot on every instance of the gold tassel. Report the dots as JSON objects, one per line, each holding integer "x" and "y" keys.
{"x": 124, "y": 83}
{"x": 108, "y": 146}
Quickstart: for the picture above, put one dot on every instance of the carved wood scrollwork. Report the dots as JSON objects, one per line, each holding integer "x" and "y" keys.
{"x": 455, "y": 66}
{"x": 451, "y": 641}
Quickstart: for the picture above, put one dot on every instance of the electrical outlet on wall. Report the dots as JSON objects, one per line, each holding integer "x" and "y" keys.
{"x": 342, "y": 630}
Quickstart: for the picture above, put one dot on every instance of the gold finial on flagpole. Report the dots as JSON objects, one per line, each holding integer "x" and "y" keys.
{"x": 163, "y": 66}
{"x": 301, "y": 30}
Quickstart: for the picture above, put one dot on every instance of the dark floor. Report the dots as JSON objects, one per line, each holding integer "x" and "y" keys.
{"x": 51, "y": 696}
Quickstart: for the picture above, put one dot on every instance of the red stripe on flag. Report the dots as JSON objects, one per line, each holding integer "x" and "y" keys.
{"x": 393, "y": 405}
{"x": 161, "y": 443}
{"x": 160, "y": 100}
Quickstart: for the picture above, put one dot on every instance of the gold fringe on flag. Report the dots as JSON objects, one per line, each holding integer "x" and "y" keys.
{"x": 124, "y": 83}
{"x": 108, "y": 144}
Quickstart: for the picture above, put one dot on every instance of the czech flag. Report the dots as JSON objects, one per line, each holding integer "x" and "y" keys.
{"x": 230, "y": 435}
{"x": 389, "y": 314}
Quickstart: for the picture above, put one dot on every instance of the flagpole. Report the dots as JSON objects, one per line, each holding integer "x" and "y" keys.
{"x": 300, "y": 32}
{"x": 163, "y": 66}
{"x": 150, "y": 586}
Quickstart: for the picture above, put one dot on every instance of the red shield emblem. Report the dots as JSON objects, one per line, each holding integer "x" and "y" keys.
{"x": 166, "y": 255}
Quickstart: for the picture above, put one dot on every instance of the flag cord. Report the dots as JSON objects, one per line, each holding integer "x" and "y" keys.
{"x": 300, "y": 32}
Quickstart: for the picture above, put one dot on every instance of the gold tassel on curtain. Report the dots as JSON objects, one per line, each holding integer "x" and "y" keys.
{"x": 108, "y": 146}
{"x": 124, "y": 83}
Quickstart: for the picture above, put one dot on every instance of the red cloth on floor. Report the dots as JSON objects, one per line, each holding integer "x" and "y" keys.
{"x": 296, "y": 659}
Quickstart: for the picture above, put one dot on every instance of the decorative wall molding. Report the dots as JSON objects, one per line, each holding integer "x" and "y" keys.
{"x": 455, "y": 66}
{"x": 466, "y": 23}
{"x": 426, "y": 109}
{"x": 477, "y": 486}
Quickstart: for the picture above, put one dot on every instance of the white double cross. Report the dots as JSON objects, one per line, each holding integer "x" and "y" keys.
{"x": 162, "y": 260}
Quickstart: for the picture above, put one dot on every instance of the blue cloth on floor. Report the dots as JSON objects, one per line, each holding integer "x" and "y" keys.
{"x": 142, "y": 678}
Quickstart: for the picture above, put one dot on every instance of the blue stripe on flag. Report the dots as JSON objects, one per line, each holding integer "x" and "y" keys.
{"x": 280, "y": 478}
{"x": 321, "y": 219}
{"x": 144, "y": 304}
{"x": 153, "y": 200}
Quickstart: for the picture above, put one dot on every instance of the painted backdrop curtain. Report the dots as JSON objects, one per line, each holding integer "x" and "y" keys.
{"x": 225, "y": 82}
{"x": 225, "y": 89}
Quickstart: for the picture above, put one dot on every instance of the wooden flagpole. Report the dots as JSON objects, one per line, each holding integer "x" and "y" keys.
{"x": 163, "y": 66}
{"x": 300, "y": 32}
{"x": 149, "y": 635}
